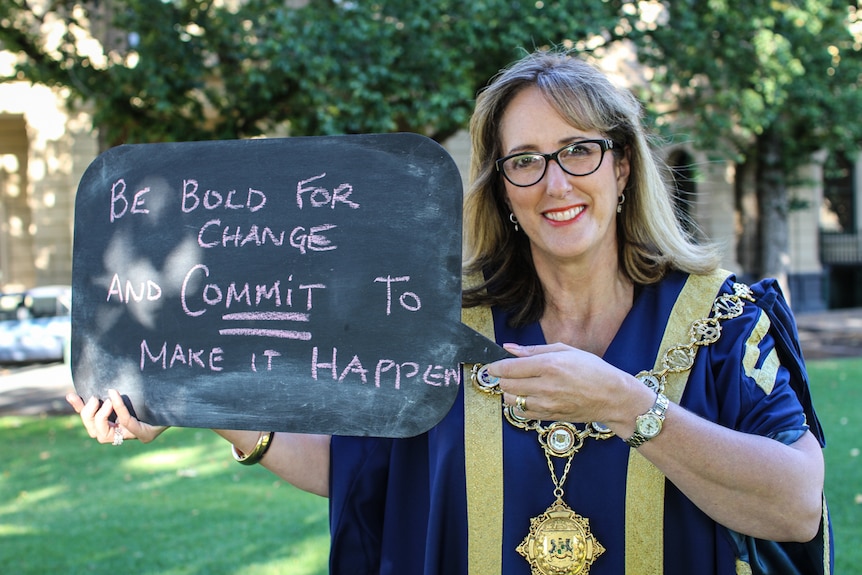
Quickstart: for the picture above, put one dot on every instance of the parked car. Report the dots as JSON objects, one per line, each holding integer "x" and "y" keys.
{"x": 35, "y": 325}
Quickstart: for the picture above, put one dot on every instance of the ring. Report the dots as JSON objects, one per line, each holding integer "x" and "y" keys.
{"x": 521, "y": 403}
{"x": 118, "y": 436}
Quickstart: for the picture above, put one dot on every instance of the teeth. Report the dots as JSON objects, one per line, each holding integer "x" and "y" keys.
{"x": 564, "y": 215}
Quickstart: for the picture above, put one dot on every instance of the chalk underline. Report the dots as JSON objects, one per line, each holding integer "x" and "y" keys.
{"x": 280, "y": 333}
{"x": 267, "y": 315}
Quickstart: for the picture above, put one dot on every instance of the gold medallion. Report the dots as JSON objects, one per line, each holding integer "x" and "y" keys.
{"x": 560, "y": 542}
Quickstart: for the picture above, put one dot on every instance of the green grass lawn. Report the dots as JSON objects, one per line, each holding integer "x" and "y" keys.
{"x": 837, "y": 390}
{"x": 182, "y": 506}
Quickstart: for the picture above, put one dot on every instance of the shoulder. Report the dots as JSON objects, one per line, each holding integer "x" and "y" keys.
{"x": 759, "y": 343}
{"x": 760, "y": 313}
{"x": 738, "y": 313}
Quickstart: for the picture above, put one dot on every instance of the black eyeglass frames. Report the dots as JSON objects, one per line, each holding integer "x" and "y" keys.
{"x": 580, "y": 158}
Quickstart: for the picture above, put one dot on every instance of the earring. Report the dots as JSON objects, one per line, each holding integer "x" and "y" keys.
{"x": 620, "y": 201}
{"x": 514, "y": 220}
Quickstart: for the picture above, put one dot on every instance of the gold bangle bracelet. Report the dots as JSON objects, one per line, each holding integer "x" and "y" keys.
{"x": 256, "y": 454}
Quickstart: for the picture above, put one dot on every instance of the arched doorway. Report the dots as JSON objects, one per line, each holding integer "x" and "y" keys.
{"x": 840, "y": 243}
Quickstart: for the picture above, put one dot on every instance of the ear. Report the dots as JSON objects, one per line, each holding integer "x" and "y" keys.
{"x": 622, "y": 168}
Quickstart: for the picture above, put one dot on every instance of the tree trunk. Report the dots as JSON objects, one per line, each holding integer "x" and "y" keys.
{"x": 747, "y": 220}
{"x": 771, "y": 185}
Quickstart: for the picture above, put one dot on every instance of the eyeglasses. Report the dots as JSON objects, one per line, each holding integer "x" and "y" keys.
{"x": 576, "y": 159}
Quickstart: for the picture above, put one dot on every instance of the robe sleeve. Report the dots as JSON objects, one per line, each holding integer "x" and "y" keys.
{"x": 771, "y": 397}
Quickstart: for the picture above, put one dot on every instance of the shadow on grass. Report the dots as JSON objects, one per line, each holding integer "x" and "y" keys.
{"x": 179, "y": 506}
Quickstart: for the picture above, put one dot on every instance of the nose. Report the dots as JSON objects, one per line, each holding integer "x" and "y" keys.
{"x": 557, "y": 183}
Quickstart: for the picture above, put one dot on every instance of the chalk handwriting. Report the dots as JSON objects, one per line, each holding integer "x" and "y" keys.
{"x": 322, "y": 197}
{"x": 274, "y": 308}
{"x": 146, "y": 289}
{"x": 268, "y": 354}
{"x": 408, "y": 300}
{"x": 234, "y": 293}
{"x": 120, "y": 204}
{"x": 386, "y": 371}
{"x": 208, "y": 236}
{"x": 187, "y": 356}
{"x": 312, "y": 240}
{"x": 212, "y": 199}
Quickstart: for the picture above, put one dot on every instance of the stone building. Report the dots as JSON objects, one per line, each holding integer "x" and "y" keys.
{"x": 44, "y": 150}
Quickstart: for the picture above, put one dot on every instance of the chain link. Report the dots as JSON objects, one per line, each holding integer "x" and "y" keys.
{"x": 703, "y": 332}
{"x": 566, "y": 439}
{"x": 558, "y": 483}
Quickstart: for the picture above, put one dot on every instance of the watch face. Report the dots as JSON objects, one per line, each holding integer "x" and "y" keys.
{"x": 649, "y": 425}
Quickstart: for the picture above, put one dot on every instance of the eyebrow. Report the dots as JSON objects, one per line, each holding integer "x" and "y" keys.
{"x": 526, "y": 148}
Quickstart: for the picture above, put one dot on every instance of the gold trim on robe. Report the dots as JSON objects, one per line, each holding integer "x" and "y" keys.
{"x": 645, "y": 483}
{"x": 483, "y": 438}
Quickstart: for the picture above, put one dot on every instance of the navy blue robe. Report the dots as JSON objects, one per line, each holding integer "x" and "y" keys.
{"x": 398, "y": 506}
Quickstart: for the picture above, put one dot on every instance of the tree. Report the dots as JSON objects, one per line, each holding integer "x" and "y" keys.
{"x": 770, "y": 82}
{"x": 766, "y": 81}
{"x": 157, "y": 70}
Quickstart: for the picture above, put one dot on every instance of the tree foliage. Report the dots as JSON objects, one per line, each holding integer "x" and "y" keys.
{"x": 744, "y": 69}
{"x": 158, "y": 70}
{"x": 767, "y": 82}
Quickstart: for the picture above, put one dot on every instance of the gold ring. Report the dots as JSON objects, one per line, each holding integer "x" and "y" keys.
{"x": 521, "y": 403}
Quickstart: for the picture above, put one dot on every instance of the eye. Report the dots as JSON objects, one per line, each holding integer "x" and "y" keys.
{"x": 524, "y": 162}
{"x": 579, "y": 150}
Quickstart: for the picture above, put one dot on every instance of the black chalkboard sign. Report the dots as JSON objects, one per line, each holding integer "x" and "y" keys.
{"x": 296, "y": 284}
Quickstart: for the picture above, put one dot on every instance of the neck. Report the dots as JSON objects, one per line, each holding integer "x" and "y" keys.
{"x": 584, "y": 308}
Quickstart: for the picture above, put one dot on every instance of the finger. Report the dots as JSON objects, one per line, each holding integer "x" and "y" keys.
{"x": 515, "y": 368}
{"x": 128, "y": 423}
{"x": 519, "y": 402}
{"x": 131, "y": 426}
{"x": 102, "y": 423}
{"x": 88, "y": 416}
{"x": 75, "y": 401}
{"x": 123, "y": 414}
{"x": 532, "y": 350}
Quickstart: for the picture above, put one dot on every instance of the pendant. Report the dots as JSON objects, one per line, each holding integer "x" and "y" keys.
{"x": 560, "y": 542}
{"x": 561, "y": 440}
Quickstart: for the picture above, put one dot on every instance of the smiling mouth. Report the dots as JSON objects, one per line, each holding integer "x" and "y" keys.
{"x": 564, "y": 215}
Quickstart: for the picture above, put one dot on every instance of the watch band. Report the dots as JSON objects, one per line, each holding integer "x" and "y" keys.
{"x": 656, "y": 412}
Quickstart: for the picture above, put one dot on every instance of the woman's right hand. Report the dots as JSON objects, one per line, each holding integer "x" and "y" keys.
{"x": 95, "y": 416}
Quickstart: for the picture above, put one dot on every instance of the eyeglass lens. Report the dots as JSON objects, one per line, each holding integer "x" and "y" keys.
{"x": 578, "y": 159}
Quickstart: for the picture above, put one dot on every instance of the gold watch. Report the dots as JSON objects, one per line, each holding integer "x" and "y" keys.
{"x": 649, "y": 424}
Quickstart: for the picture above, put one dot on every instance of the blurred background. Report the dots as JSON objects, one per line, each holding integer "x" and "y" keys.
{"x": 756, "y": 104}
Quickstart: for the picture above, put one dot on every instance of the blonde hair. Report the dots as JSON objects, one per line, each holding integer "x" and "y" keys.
{"x": 650, "y": 239}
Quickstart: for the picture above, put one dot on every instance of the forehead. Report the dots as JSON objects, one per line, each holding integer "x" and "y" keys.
{"x": 530, "y": 121}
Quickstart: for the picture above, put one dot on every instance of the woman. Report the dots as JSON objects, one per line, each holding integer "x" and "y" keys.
{"x": 586, "y": 278}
